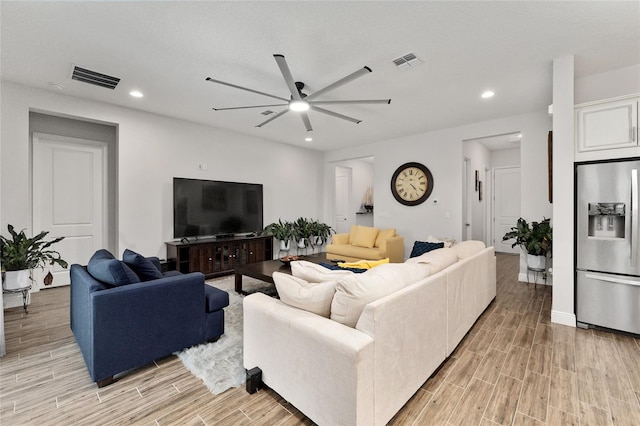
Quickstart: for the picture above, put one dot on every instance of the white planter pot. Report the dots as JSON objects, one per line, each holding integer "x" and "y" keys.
{"x": 17, "y": 280}
{"x": 536, "y": 262}
{"x": 301, "y": 243}
{"x": 284, "y": 245}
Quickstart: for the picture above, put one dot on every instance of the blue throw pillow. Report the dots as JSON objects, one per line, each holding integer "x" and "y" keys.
{"x": 340, "y": 268}
{"x": 104, "y": 267}
{"x": 422, "y": 247}
{"x": 142, "y": 266}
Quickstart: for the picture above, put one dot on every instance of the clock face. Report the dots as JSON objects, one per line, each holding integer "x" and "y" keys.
{"x": 412, "y": 184}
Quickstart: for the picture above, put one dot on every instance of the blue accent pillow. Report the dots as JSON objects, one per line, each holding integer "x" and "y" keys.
{"x": 104, "y": 267}
{"x": 422, "y": 247}
{"x": 340, "y": 268}
{"x": 142, "y": 266}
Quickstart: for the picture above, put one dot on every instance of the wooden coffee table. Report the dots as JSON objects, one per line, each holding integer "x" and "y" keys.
{"x": 264, "y": 270}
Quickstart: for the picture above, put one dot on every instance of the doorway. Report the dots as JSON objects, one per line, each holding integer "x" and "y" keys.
{"x": 491, "y": 174}
{"x": 342, "y": 218}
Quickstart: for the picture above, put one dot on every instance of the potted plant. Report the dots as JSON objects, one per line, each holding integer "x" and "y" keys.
{"x": 535, "y": 238}
{"x": 321, "y": 232}
{"x": 282, "y": 231}
{"x": 20, "y": 254}
{"x": 302, "y": 232}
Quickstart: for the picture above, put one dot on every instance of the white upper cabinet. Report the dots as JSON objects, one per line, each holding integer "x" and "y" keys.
{"x": 607, "y": 125}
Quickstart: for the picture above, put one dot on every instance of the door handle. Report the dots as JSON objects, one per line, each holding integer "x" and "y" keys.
{"x": 612, "y": 279}
{"x": 634, "y": 217}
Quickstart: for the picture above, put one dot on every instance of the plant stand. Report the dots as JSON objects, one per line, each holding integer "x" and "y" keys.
{"x": 536, "y": 272}
{"x": 25, "y": 296}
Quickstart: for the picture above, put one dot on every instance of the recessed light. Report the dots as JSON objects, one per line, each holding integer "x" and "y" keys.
{"x": 487, "y": 94}
{"x": 308, "y": 139}
{"x": 136, "y": 94}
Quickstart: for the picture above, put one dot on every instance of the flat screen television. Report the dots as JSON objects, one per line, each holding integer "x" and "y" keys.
{"x": 209, "y": 208}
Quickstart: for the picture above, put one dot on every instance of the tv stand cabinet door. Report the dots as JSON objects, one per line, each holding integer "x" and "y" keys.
{"x": 201, "y": 258}
{"x": 257, "y": 250}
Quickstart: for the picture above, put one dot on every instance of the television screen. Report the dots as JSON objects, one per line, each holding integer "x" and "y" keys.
{"x": 205, "y": 208}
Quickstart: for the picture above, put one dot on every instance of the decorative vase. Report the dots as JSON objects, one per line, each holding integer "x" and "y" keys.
{"x": 301, "y": 243}
{"x": 536, "y": 262}
{"x": 17, "y": 280}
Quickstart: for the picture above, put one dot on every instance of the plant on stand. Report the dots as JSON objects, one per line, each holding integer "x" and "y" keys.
{"x": 282, "y": 231}
{"x": 535, "y": 238}
{"x": 302, "y": 233}
{"x": 20, "y": 254}
{"x": 321, "y": 232}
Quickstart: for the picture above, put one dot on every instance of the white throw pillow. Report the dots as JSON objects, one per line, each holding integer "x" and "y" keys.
{"x": 448, "y": 242}
{"x": 312, "y": 297}
{"x": 468, "y": 248}
{"x": 314, "y": 273}
{"x": 437, "y": 260}
{"x": 354, "y": 292}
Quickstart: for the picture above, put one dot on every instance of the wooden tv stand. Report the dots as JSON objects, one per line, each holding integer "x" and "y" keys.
{"x": 218, "y": 256}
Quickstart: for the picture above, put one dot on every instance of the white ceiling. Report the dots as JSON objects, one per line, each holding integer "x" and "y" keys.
{"x": 166, "y": 50}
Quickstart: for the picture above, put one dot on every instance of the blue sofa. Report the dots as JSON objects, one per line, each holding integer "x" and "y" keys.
{"x": 125, "y": 315}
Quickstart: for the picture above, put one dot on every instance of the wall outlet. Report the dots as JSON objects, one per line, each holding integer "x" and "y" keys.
{"x": 202, "y": 166}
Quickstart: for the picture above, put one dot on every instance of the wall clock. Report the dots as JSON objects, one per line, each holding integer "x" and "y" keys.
{"x": 412, "y": 184}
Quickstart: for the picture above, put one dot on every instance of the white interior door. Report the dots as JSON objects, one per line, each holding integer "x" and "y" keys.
{"x": 69, "y": 198}
{"x": 506, "y": 208}
{"x": 342, "y": 199}
{"x": 467, "y": 214}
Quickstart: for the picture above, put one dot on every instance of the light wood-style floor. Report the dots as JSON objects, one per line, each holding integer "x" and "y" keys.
{"x": 514, "y": 367}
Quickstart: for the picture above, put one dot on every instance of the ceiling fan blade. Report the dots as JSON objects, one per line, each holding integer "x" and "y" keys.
{"x": 280, "y": 114}
{"x": 341, "y": 82}
{"x": 246, "y": 107}
{"x": 361, "y": 102}
{"x": 247, "y": 89}
{"x": 288, "y": 78}
{"x": 307, "y": 122}
{"x": 335, "y": 114}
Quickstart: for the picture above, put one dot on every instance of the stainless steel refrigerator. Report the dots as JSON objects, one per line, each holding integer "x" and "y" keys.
{"x": 608, "y": 245}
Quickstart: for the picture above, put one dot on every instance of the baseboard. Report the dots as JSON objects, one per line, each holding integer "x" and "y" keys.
{"x": 563, "y": 318}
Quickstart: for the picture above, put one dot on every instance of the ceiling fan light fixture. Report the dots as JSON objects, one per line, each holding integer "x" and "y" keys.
{"x": 299, "y": 106}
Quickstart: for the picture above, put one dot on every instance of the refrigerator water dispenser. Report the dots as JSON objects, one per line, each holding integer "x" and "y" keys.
{"x": 606, "y": 220}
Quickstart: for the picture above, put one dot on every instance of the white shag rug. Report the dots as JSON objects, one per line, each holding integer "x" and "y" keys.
{"x": 219, "y": 364}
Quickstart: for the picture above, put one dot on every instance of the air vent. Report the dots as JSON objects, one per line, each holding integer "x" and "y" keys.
{"x": 406, "y": 61}
{"x": 93, "y": 77}
{"x": 267, "y": 112}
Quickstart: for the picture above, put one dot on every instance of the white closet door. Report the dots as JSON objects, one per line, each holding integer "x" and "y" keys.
{"x": 69, "y": 198}
{"x": 506, "y": 206}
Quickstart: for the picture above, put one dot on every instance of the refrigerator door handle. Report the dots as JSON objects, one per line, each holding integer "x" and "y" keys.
{"x": 634, "y": 217}
{"x": 612, "y": 279}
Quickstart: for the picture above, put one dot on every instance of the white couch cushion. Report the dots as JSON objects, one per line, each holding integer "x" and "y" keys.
{"x": 437, "y": 260}
{"x": 468, "y": 248}
{"x": 312, "y": 297}
{"x": 314, "y": 273}
{"x": 354, "y": 292}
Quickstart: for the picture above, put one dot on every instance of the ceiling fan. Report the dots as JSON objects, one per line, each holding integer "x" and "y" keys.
{"x": 301, "y": 102}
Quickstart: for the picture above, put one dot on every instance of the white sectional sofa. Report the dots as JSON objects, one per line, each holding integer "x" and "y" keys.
{"x": 342, "y": 375}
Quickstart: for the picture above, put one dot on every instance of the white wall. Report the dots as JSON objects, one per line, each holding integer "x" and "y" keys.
{"x": 441, "y": 152}
{"x": 479, "y": 159}
{"x": 620, "y": 82}
{"x": 152, "y": 149}
{"x": 505, "y": 158}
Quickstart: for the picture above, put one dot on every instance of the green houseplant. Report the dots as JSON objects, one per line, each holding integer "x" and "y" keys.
{"x": 20, "y": 253}
{"x": 320, "y": 233}
{"x": 302, "y": 232}
{"x": 535, "y": 238}
{"x": 281, "y": 230}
